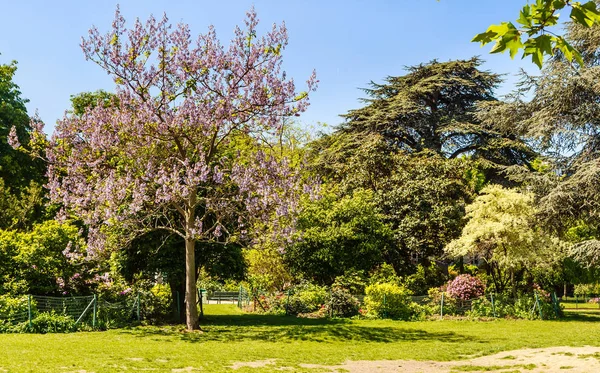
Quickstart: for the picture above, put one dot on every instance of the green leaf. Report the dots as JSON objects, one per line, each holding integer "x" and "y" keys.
{"x": 558, "y": 4}
{"x": 525, "y": 16}
{"x": 544, "y": 44}
{"x": 484, "y": 38}
{"x": 579, "y": 15}
{"x": 514, "y": 44}
{"x": 568, "y": 51}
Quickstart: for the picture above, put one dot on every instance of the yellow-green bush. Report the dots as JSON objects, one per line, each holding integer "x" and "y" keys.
{"x": 388, "y": 300}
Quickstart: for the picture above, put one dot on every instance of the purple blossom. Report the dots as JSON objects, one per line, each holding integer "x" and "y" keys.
{"x": 465, "y": 287}
{"x": 13, "y": 139}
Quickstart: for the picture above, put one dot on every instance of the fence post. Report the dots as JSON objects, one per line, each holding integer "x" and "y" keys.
{"x": 201, "y": 302}
{"x": 442, "y": 307}
{"x": 138, "y": 306}
{"x": 239, "y": 297}
{"x": 493, "y": 305}
{"x": 95, "y": 310}
{"x": 29, "y": 309}
{"x": 555, "y": 304}
{"x": 537, "y": 302}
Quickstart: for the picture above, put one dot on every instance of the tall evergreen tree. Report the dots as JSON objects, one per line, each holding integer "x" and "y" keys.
{"x": 434, "y": 107}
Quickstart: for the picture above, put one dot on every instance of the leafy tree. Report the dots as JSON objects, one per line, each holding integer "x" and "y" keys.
{"x": 338, "y": 234}
{"x": 48, "y": 260}
{"x": 89, "y": 100}
{"x": 559, "y": 111}
{"x": 160, "y": 253}
{"x": 501, "y": 230}
{"x": 21, "y": 197}
{"x": 267, "y": 270}
{"x": 155, "y": 160}
{"x": 422, "y": 196}
{"x": 433, "y": 107}
{"x": 534, "y": 35}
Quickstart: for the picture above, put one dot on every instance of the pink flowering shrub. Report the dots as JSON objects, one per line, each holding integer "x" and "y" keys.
{"x": 465, "y": 287}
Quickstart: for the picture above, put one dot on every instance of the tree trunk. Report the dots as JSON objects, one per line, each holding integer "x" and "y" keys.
{"x": 512, "y": 283}
{"x": 191, "y": 311}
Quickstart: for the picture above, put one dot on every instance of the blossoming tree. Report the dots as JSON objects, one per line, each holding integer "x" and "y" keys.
{"x": 161, "y": 154}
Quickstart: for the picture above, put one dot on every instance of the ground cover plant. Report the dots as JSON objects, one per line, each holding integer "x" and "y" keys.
{"x": 231, "y": 336}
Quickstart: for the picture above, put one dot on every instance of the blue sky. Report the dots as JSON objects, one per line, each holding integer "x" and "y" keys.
{"x": 348, "y": 42}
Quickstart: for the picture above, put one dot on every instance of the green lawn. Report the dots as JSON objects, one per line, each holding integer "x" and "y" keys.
{"x": 230, "y": 336}
{"x": 572, "y": 303}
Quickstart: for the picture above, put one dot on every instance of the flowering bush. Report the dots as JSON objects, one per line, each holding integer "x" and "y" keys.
{"x": 594, "y": 300}
{"x": 465, "y": 287}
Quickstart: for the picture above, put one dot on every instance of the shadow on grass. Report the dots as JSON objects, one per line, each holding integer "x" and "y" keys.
{"x": 269, "y": 328}
{"x": 581, "y": 316}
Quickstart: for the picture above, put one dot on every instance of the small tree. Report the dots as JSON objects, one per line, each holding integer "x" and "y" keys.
{"x": 501, "y": 231}
{"x": 161, "y": 155}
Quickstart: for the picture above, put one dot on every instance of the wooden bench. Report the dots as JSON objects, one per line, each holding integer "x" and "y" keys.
{"x": 220, "y": 296}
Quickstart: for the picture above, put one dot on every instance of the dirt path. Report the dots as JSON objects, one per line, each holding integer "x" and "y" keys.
{"x": 541, "y": 360}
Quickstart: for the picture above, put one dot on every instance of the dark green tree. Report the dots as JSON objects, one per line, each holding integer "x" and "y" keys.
{"x": 434, "y": 107}
{"x": 21, "y": 176}
{"x": 560, "y": 111}
{"x": 338, "y": 234}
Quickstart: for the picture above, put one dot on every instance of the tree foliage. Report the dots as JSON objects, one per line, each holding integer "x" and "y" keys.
{"x": 501, "y": 229}
{"x": 21, "y": 177}
{"x": 48, "y": 260}
{"x": 534, "y": 36}
{"x": 433, "y": 107}
{"x": 338, "y": 234}
{"x": 559, "y": 111}
{"x": 156, "y": 158}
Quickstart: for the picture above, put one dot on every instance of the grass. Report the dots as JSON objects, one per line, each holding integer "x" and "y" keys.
{"x": 230, "y": 336}
{"x": 572, "y": 303}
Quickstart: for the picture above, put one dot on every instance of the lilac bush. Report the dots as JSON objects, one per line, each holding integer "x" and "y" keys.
{"x": 465, "y": 287}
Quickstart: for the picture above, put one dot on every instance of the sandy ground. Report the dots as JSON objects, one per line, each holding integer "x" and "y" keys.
{"x": 541, "y": 360}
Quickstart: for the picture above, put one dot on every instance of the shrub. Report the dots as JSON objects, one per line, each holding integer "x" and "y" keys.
{"x": 434, "y": 302}
{"x": 384, "y": 273}
{"x": 341, "y": 303}
{"x": 425, "y": 278}
{"x": 523, "y": 307}
{"x": 51, "y": 323}
{"x": 388, "y": 300}
{"x": 353, "y": 281}
{"x": 305, "y": 298}
{"x": 13, "y": 308}
{"x": 465, "y": 287}
{"x": 156, "y": 304}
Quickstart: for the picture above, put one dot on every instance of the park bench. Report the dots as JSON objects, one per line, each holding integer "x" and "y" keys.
{"x": 220, "y": 296}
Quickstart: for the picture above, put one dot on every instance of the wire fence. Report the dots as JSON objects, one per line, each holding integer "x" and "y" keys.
{"x": 534, "y": 305}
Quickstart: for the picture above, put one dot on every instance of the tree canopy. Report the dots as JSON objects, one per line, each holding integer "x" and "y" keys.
{"x": 434, "y": 107}
{"x": 535, "y": 36}
{"x": 157, "y": 158}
